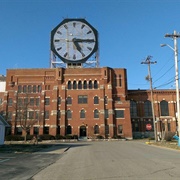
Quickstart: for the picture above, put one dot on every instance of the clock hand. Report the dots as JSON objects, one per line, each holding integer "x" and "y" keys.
{"x": 83, "y": 40}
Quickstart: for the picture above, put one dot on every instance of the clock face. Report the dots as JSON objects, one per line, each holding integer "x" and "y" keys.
{"x": 74, "y": 40}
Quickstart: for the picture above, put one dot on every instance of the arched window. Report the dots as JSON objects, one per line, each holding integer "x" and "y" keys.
{"x": 74, "y": 85}
{"x": 69, "y": 85}
{"x": 68, "y": 130}
{"x": 82, "y": 113}
{"x": 164, "y": 108}
{"x": 90, "y": 84}
{"x": 85, "y": 85}
{"x": 120, "y": 80}
{"x": 96, "y": 113}
{"x": 95, "y": 85}
{"x": 147, "y": 108}
{"x": 96, "y": 129}
{"x": 39, "y": 88}
{"x": 69, "y": 100}
{"x": 79, "y": 85}
{"x": 69, "y": 114}
{"x": 34, "y": 89}
{"x": 133, "y": 109}
{"x": 24, "y": 89}
{"x": 29, "y": 89}
{"x": 96, "y": 100}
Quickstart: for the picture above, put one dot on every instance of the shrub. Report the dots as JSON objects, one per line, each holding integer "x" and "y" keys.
{"x": 58, "y": 136}
{"x": 14, "y": 138}
{"x": 99, "y": 137}
{"x": 46, "y": 137}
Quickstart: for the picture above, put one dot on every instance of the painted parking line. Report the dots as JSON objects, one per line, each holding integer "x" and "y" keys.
{"x": 4, "y": 159}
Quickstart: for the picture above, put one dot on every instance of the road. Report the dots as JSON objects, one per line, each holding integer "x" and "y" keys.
{"x": 114, "y": 160}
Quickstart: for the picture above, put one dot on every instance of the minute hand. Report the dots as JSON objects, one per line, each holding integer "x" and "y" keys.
{"x": 84, "y": 40}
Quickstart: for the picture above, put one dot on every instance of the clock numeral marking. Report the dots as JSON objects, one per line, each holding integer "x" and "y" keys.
{"x": 89, "y": 48}
{"x": 59, "y": 48}
{"x": 65, "y": 54}
{"x": 89, "y": 32}
{"x": 74, "y": 56}
{"x": 82, "y": 54}
{"x": 82, "y": 26}
{"x": 74, "y": 24}
{"x": 65, "y": 26}
{"x": 59, "y": 32}
{"x": 56, "y": 40}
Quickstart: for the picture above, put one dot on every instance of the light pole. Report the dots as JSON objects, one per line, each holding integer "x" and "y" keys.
{"x": 175, "y": 49}
{"x": 149, "y": 62}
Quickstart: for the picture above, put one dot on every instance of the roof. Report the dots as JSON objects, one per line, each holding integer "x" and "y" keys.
{"x": 3, "y": 122}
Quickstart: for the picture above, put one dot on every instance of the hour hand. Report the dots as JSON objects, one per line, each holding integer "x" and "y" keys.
{"x": 78, "y": 47}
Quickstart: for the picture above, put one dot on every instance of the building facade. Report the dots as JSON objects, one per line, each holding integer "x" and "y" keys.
{"x": 69, "y": 101}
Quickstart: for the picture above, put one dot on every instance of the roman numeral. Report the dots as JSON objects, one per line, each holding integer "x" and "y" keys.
{"x": 74, "y": 24}
{"x": 65, "y": 54}
{"x": 56, "y": 40}
{"x": 74, "y": 56}
{"x": 65, "y": 26}
{"x": 89, "y": 48}
{"x": 59, "y": 32}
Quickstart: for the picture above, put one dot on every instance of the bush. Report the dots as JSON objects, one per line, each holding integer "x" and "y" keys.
{"x": 99, "y": 137}
{"x": 58, "y": 136}
{"x": 117, "y": 137}
{"x": 46, "y": 137}
{"x": 14, "y": 138}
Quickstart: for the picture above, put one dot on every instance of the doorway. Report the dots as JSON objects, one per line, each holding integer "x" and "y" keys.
{"x": 83, "y": 131}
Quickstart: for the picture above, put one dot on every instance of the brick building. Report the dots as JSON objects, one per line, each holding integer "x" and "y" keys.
{"x": 76, "y": 101}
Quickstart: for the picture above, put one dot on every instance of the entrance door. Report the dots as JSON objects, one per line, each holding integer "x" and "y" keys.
{"x": 83, "y": 131}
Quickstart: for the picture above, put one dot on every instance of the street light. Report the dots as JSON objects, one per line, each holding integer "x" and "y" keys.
{"x": 175, "y": 49}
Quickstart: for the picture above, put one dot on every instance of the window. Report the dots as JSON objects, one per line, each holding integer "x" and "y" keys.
{"x": 36, "y": 130}
{"x": 24, "y": 89}
{"x": 105, "y": 100}
{"x": 96, "y": 129}
{"x": 69, "y": 114}
{"x": 47, "y": 101}
{"x": 29, "y": 89}
{"x": 74, "y": 85}
{"x": 36, "y": 115}
{"x": 46, "y": 130}
{"x": 9, "y": 116}
{"x": 47, "y": 87}
{"x": 147, "y": 108}
{"x": 106, "y": 129}
{"x": 18, "y": 130}
{"x": 82, "y": 99}
{"x": 10, "y": 102}
{"x": 59, "y": 100}
{"x": 96, "y": 113}
{"x": 133, "y": 108}
{"x": 164, "y": 108}
{"x": 19, "y": 89}
{"x": 20, "y": 102}
{"x": 79, "y": 85}
{"x": 68, "y": 130}
{"x": 34, "y": 89}
{"x": 90, "y": 84}
{"x": 115, "y": 80}
{"x": 31, "y": 101}
{"x": 39, "y": 88}
{"x": 82, "y": 113}
{"x": 96, "y": 100}
{"x": 25, "y": 101}
{"x": 119, "y": 113}
{"x": 58, "y": 114}
{"x": 120, "y": 80}
{"x": 31, "y": 115}
{"x": 106, "y": 114}
{"x": 69, "y": 85}
{"x": 69, "y": 100}
{"x": 95, "y": 85}
{"x": 37, "y": 101}
{"x": 120, "y": 129}
{"x": 46, "y": 114}
{"x": 85, "y": 85}
{"x": 1, "y": 100}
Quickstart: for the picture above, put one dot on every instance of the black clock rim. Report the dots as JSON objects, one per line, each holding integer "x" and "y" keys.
{"x": 74, "y": 61}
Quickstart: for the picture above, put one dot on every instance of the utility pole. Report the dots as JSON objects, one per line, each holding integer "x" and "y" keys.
{"x": 149, "y": 62}
{"x": 174, "y": 37}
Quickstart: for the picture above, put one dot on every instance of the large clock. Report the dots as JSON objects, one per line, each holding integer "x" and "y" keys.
{"x": 74, "y": 40}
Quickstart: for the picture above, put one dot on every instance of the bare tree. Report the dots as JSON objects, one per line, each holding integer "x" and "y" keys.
{"x": 27, "y": 113}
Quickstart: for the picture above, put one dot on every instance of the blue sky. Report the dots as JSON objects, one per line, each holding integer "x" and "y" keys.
{"x": 129, "y": 31}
